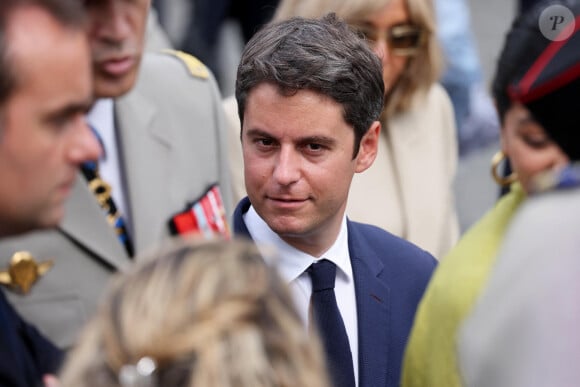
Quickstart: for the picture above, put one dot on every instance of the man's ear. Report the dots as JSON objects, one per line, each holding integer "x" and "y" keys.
{"x": 368, "y": 148}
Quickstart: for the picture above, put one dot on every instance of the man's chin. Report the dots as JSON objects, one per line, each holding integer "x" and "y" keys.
{"x": 109, "y": 87}
{"x": 286, "y": 227}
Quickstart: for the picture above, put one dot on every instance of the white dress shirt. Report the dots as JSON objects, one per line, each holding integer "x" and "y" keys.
{"x": 102, "y": 119}
{"x": 292, "y": 265}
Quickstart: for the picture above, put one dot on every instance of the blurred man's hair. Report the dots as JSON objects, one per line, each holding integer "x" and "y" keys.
{"x": 68, "y": 13}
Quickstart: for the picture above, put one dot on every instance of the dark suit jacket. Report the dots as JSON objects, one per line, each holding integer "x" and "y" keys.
{"x": 25, "y": 355}
{"x": 390, "y": 276}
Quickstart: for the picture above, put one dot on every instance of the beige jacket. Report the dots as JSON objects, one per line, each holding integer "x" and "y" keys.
{"x": 409, "y": 188}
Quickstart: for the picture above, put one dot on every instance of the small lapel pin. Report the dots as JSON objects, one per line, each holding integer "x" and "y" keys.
{"x": 23, "y": 272}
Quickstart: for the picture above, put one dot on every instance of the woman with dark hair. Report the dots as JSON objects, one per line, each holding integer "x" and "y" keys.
{"x": 524, "y": 330}
{"x": 534, "y": 148}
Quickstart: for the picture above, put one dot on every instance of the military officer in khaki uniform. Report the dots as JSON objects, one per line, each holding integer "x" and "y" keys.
{"x": 159, "y": 119}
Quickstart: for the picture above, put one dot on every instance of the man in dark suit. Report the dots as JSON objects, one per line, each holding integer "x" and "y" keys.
{"x": 45, "y": 90}
{"x": 310, "y": 93}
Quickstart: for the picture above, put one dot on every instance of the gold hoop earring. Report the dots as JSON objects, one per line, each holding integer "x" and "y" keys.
{"x": 503, "y": 181}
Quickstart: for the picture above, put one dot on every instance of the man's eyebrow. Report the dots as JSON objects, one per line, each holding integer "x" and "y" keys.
{"x": 255, "y": 132}
{"x": 323, "y": 140}
{"x": 320, "y": 140}
{"x": 70, "y": 109}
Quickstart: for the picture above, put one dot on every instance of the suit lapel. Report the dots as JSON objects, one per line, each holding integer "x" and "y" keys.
{"x": 145, "y": 146}
{"x": 240, "y": 228}
{"x": 86, "y": 223}
{"x": 373, "y": 313}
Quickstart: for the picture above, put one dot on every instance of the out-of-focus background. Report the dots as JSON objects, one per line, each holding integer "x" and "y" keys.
{"x": 475, "y": 190}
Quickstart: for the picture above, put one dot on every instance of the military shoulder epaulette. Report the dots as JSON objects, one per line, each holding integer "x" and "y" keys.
{"x": 194, "y": 65}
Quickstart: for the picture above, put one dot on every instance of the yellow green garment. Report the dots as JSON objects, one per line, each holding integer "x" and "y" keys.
{"x": 430, "y": 357}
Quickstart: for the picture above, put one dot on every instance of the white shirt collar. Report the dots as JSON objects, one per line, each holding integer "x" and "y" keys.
{"x": 293, "y": 262}
{"x": 102, "y": 118}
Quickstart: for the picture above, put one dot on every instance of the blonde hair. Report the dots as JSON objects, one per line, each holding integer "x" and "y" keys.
{"x": 422, "y": 70}
{"x": 208, "y": 314}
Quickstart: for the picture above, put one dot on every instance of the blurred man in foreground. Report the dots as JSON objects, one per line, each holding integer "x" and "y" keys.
{"x": 45, "y": 91}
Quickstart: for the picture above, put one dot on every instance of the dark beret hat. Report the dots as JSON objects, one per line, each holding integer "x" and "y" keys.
{"x": 550, "y": 88}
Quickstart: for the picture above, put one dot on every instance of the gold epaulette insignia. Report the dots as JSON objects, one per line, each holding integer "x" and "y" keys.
{"x": 23, "y": 272}
{"x": 194, "y": 65}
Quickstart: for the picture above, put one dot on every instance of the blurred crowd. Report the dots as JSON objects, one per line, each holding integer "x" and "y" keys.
{"x": 302, "y": 231}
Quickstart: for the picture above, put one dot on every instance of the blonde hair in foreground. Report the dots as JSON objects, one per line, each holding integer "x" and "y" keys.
{"x": 209, "y": 314}
{"x": 422, "y": 70}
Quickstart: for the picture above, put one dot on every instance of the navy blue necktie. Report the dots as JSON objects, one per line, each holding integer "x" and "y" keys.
{"x": 330, "y": 325}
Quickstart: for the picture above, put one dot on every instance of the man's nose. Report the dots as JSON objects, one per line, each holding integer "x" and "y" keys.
{"x": 85, "y": 145}
{"x": 110, "y": 22}
{"x": 287, "y": 168}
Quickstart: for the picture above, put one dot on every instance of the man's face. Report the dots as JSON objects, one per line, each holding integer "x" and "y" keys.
{"x": 43, "y": 133}
{"x": 116, "y": 30}
{"x": 298, "y": 164}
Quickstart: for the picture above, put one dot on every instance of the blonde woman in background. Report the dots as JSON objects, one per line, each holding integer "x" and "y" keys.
{"x": 409, "y": 188}
{"x": 199, "y": 314}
